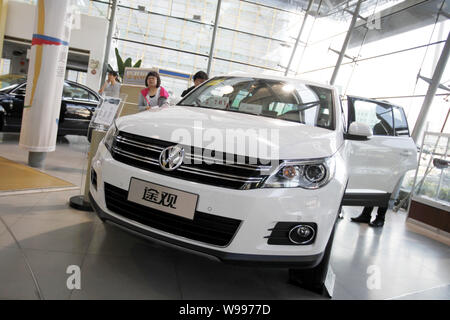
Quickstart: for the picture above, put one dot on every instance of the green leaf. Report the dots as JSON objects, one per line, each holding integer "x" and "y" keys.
{"x": 127, "y": 63}
{"x": 120, "y": 66}
{"x": 137, "y": 64}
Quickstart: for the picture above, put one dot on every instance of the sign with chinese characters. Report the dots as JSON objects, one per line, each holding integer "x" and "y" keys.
{"x": 136, "y": 76}
{"x": 162, "y": 198}
{"x": 217, "y": 102}
{"x": 250, "y": 108}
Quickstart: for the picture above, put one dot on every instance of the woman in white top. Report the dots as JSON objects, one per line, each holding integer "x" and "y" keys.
{"x": 154, "y": 95}
{"x": 111, "y": 87}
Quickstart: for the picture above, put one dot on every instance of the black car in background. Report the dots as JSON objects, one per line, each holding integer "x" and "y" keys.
{"x": 78, "y": 104}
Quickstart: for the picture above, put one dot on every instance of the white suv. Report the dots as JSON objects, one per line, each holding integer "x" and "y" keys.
{"x": 251, "y": 169}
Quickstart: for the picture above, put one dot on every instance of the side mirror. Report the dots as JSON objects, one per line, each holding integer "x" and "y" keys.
{"x": 359, "y": 131}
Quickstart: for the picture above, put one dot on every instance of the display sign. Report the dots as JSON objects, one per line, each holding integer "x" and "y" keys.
{"x": 107, "y": 111}
{"x": 217, "y": 102}
{"x": 250, "y": 108}
{"x": 136, "y": 76}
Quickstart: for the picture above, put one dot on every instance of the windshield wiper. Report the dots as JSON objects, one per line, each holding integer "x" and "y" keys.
{"x": 196, "y": 103}
{"x": 308, "y": 105}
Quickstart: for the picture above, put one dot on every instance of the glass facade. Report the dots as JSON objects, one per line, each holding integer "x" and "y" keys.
{"x": 432, "y": 179}
{"x": 392, "y": 43}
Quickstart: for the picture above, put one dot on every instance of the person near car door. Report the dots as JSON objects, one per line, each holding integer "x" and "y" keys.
{"x": 365, "y": 217}
{"x": 154, "y": 95}
{"x": 199, "y": 78}
{"x": 111, "y": 87}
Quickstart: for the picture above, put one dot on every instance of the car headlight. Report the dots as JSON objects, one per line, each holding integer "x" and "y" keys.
{"x": 110, "y": 135}
{"x": 304, "y": 174}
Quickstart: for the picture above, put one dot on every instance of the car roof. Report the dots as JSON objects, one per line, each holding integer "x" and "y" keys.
{"x": 374, "y": 100}
{"x": 68, "y": 82}
{"x": 280, "y": 78}
{"x": 82, "y": 86}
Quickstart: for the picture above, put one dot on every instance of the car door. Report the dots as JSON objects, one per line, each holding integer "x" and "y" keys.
{"x": 77, "y": 107}
{"x": 13, "y": 117}
{"x": 377, "y": 165}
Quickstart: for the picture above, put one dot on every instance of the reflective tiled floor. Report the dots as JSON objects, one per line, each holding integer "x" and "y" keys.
{"x": 117, "y": 265}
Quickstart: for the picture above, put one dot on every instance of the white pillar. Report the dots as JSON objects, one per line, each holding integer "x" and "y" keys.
{"x": 45, "y": 80}
{"x": 434, "y": 85}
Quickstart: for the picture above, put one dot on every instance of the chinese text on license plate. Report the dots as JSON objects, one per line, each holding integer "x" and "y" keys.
{"x": 162, "y": 198}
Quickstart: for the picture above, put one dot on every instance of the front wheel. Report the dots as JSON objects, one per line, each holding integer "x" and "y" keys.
{"x": 314, "y": 278}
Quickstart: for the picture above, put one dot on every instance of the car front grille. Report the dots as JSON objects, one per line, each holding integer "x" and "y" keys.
{"x": 207, "y": 228}
{"x": 144, "y": 152}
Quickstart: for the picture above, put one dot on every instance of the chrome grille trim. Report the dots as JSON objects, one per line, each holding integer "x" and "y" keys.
{"x": 224, "y": 163}
{"x": 139, "y": 144}
{"x": 221, "y": 175}
{"x": 151, "y": 147}
{"x": 184, "y": 168}
{"x": 135, "y": 156}
{"x": 144, "y": 152}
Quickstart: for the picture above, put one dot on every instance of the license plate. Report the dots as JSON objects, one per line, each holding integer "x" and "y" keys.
{"x": 162, "y": 198}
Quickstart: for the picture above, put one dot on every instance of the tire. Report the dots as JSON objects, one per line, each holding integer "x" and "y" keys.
{"x": 314, "y": 278}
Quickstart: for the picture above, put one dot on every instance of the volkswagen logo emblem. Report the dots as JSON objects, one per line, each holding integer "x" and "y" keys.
{"x": 171, "y": 158}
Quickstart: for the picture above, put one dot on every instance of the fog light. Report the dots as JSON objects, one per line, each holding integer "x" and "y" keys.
{"x": 94, "y": 179}
{"x": 302, "y": 234}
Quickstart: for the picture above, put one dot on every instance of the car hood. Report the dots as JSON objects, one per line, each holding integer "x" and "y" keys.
{"x": 265, "y": 137}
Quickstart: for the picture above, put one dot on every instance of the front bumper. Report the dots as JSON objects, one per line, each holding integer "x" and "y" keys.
{"x": 258, "y": 210}
{"x": 226, "y": 257}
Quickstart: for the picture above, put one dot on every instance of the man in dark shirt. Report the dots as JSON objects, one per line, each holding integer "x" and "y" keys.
{"x": 199, "y": 78}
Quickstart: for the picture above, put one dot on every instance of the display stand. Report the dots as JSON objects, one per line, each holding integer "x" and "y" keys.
{"x": 109, "y": 110}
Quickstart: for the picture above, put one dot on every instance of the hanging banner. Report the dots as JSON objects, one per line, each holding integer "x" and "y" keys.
{"x": 47, "y": 66}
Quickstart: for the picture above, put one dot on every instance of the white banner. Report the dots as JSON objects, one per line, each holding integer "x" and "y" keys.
{"x": 46, "y": 71}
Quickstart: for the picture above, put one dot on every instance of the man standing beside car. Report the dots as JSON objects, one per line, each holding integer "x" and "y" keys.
{"x": 365, "y": 217}
{"x": 199, "y": 78}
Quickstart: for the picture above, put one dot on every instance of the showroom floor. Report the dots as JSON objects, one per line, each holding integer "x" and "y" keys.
{"x": 117, "y": 265}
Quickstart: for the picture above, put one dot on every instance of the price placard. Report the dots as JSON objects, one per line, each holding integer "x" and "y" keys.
{"x": 107, "y": 111}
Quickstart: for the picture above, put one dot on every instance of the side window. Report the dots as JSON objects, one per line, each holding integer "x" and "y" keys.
{"x": 92, "y": 98}
{"x": 21, "y": 90}
{"x": 400, "y": 122}
{"x": 75, "y": 93}
{"x": 344, "y": 109}
{"x": 377, "y": 116}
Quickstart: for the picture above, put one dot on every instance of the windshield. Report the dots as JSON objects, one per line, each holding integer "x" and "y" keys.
{"x": 285, "y": 100}
{"x": 9, "y": 82}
